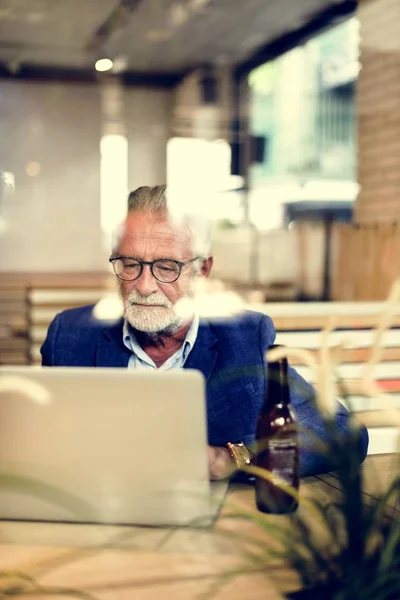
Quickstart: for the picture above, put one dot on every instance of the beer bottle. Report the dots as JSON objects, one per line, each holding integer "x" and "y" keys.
{"x": 277, "y": 444}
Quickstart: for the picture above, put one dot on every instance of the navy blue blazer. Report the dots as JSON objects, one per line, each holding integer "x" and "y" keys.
{"x": 228, "y": 352}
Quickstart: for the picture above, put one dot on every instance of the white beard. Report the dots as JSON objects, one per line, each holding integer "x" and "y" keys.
{"x": 154, "y": 319}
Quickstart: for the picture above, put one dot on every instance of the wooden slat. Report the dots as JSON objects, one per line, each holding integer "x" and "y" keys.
{"x": 359, "y": 355}
{"x": 85, "y": 280}
{"x": 43, "y": 316}
{"x": 353, "y": 338}
{"x": 65, "y": 297}
{"x": 18, "y": 295}
{"x": 13, "y": 358}
{"x": 321, "y": 309}
{"x": 13, "y": 307}
{"x": 353, "y": 386}
{"x": 6, "y": 285}
{"x": 382, "y": 440}
{"x": 38, "y": 334}
{"x": 19, "y": 324}
{"x": 12, "y": 343}
{"x": 60, "y": 307}
{"x": 387, "y": 370}
{"x": 375, "y": 418}
{"x": 35, "y": 352}
{"x": 295, "y": 323}
{"x": 359, "y": 403}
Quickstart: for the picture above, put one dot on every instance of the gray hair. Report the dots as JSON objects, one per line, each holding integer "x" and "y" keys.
{"x": 151, "y": 200}
{"x": 155, "y": 201}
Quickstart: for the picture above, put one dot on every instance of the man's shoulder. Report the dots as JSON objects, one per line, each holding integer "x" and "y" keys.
{"x": 82, "y": 315}
{"x": 84, "y": 318}
{"x": 74, "y": 336}
{"x": 80, "y": 312}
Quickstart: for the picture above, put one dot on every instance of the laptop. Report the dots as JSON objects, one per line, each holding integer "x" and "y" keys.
{"x": 114, "y": 446}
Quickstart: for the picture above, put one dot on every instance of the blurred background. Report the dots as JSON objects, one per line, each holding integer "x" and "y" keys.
{"x": 279, "y": 119}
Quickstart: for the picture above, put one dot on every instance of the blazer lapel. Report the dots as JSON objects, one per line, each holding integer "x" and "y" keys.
{"x": 204, "y": 353}
{"x": 111, "y": 351}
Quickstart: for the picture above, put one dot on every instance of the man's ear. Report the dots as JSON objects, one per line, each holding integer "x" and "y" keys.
{"x": 206, "y": 266}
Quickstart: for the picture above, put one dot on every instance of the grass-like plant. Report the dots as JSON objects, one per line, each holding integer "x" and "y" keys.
{"x": 347, "y": 548}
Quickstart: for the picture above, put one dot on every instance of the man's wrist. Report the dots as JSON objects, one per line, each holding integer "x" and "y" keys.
{"x": 220, "y": 463}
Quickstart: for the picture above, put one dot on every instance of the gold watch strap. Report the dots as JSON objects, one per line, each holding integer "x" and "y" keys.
{"x": 239, "y": 453}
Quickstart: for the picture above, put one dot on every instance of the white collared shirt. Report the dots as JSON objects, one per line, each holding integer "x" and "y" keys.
{"x": 140, "y": 359}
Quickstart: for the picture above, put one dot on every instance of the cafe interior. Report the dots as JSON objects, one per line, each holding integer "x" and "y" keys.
{"x": 277, "y": 123}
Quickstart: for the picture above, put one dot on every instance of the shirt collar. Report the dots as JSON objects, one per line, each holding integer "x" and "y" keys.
{"x": 132, "y": 344}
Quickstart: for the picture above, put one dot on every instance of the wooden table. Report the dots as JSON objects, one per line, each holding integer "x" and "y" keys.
{"x": 144, "y": 563}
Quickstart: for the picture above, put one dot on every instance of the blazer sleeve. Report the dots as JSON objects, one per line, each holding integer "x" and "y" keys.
{"x": 48, "y": 349}
{"x": 302, "y": 396}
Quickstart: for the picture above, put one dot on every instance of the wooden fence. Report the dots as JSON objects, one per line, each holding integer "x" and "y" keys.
{"x": 365, "y": 261}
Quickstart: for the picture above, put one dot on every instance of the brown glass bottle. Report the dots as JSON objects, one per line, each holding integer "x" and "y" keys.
{"x": 277, "y": 444}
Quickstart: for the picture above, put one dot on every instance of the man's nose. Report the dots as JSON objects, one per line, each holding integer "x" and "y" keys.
{"x": 146, "y": 284}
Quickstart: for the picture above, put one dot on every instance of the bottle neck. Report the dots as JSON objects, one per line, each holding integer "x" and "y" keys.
{"x": 277, "y": 383}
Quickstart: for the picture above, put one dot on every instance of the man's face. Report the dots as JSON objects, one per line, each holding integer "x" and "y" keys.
{"x": 149, "y": 305}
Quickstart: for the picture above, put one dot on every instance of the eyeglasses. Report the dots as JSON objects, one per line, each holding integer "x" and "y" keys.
{"x": 164, "y": 270}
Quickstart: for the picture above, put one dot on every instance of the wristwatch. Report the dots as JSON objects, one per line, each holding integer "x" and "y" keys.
{"x": 239, "y": 454}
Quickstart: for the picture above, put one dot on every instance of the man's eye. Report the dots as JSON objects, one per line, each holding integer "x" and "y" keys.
{"x": 132, "y": 265}
{"x": 167, "y": 269}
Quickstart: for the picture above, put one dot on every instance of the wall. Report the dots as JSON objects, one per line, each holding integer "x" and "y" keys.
{"x": 53, "y": 218}
{"x": 148, "y": 129}
{"x": 289, "y": 261}
{"x": 379, "y": 112}
{"x": 52, "y": 214}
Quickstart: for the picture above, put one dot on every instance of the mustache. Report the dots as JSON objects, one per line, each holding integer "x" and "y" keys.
{"x": 156, "y": 299}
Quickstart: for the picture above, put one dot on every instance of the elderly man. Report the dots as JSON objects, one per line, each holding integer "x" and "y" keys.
{"x": 158, "y": 261}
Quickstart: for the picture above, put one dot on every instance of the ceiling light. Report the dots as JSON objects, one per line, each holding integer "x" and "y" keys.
{"x": 33, "y": 168}
{"x": 104, "y": 64}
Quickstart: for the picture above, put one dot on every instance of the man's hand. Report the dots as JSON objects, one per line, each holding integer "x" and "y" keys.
{"x": 220, "y": 464}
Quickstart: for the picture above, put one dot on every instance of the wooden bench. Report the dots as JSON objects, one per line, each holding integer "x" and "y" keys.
{"x": 45, "y": 304}
{"x": 17, "y": 310}
{"x": 300, "y": 325}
